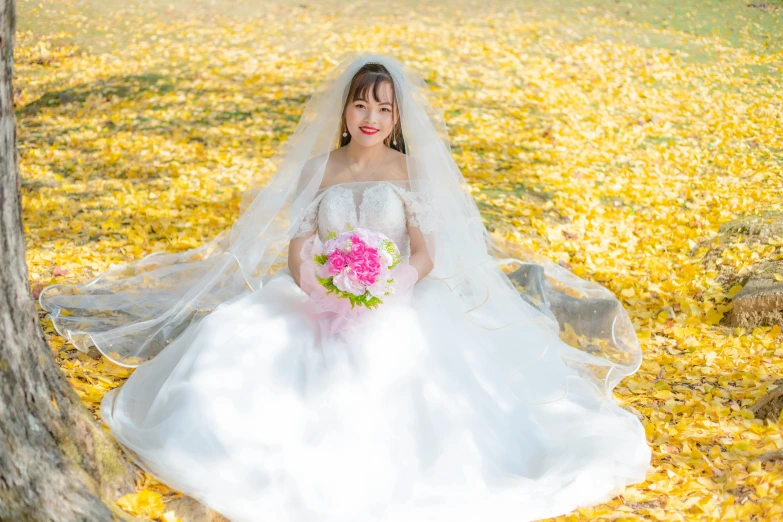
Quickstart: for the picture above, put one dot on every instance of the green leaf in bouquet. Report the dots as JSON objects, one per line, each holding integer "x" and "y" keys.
{"x": 391, "y": 249}
{"x": 367, "y": 300}
{"x": 370, "y": 301}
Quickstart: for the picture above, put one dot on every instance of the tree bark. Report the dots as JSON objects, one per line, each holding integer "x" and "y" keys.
{"x": 56, "y": 462}
{"x": 760, "y": 301}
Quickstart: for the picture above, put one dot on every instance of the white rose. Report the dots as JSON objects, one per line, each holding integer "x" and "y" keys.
{"x": 385, "y": 257}
{"x": 347, "y": 282}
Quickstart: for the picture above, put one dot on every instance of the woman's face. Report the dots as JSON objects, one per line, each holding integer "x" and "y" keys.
{"x": 363, "y": 116}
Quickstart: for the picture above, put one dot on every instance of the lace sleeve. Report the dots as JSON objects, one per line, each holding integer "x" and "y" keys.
{"x": 309, "y": 221}
{"x": 419, "y": 210}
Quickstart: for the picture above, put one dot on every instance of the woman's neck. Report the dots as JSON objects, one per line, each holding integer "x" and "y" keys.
{"x": 363, "y": 157}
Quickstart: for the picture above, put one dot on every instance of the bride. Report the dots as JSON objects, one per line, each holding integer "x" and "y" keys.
{"x": 481, "y": 387}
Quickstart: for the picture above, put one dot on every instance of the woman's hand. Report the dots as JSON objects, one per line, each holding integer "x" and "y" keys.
{"x": 405, "y": 277}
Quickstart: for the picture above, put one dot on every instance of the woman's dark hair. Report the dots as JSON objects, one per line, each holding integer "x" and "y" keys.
{"x": 371, "y": 75}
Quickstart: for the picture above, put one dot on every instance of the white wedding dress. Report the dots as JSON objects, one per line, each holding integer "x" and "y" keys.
{"x": 410, "y": 417}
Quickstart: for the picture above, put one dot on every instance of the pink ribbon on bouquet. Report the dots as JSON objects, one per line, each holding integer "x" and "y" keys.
{"x": 335, "y": 314}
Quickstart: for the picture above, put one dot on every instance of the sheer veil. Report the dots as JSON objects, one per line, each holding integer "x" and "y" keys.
{"x": 133, "y": 310}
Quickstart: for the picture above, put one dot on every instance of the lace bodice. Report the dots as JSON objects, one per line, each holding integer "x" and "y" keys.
{"x": 384, "y": 207}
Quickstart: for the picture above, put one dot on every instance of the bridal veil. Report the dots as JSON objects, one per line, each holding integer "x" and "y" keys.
{"x": 132, "y": 311}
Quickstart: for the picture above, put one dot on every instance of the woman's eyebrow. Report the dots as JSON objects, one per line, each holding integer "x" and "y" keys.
{"x": 382, "y": 103}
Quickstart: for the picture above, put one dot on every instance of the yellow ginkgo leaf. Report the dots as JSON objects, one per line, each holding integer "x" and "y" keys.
{"x": 734, "y": 290}
{"x": 144, "y": 504}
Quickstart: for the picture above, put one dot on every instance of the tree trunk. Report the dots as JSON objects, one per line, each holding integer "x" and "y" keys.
{"x": 759, "y": 302}
{"x": 56, "y": 462}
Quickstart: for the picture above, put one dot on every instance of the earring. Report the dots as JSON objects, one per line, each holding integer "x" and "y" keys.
{"x": 345, "y": 134}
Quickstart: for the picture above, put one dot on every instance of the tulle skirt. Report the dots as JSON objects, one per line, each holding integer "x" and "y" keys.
{"x": 260, "y": 414}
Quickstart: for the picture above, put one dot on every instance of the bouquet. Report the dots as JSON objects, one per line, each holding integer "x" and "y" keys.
{"x": 353, "y": 271}
{"x": 356, "y": 265}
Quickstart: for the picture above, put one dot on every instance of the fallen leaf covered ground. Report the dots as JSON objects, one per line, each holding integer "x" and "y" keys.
{"x": 612, "y": 137}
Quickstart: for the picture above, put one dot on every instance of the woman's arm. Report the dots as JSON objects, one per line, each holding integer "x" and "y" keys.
{"x": 420, "y": 258}
{"x": 294, "y": 258}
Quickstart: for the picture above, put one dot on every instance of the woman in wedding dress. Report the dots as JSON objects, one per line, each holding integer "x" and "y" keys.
{"x": 470, "y": 392}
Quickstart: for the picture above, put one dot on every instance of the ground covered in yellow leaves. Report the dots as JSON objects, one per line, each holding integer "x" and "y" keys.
{"x": 612, "y": 137}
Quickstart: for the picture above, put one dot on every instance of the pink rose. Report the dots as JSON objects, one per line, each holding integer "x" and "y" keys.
{"x": 373, "y": 263}
{"x": 359, "y": 270}
{"x": 358, "y": 249}
{"x": 336, "y": 262}
{"x": 367, "y": 279}
{"x": 363, "y": 271}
